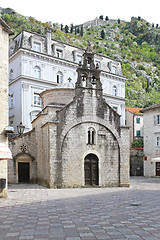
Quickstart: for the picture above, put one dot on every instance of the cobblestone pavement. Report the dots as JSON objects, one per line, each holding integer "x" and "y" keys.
{"x": 34, "y": 212}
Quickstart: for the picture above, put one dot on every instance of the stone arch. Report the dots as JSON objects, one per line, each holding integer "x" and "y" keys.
{"x": 105, "y": 124}
{"x": 98, "y": 120}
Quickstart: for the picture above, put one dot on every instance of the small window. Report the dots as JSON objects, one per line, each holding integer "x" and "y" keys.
{"x": 97, "y": 64}
{"x": 37, "y": 47}
{"x": 59, "y": 53}
{"x": 11, "y": 74}
{"x": 11, "y": 101}
{"x": 115, "y": 109}
{"x": 11, "y": 121}
{"x": 158, "y": 119}
{"x": 37, "y": 72}
{"x": 91, "y": 136}
{"x": 114, "y": 91}
{"x": 113, "y": 70}
{"x": 78, "y": 59}
{"x": 37, "y": 99}
{"x": 158, "y": 141}
{"x": 138, "y": 120}
{"x": 138, "y": 133}
{"x": 59, "y": 77}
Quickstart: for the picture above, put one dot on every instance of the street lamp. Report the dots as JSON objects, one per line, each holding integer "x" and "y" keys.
{"x": 20, "y": 128}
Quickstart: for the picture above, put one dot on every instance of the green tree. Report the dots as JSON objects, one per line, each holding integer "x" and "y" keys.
{"x": 137, "y": 143}
{"x": 101, "y": 17}
{"x": 66, "y": 29}
{"x": 71, "y": 30}
{"x": 6, "y": 18}
{"x": 107, "y": 18}
{"x": 102, "y": 34}
{"x": 81, "y": 32}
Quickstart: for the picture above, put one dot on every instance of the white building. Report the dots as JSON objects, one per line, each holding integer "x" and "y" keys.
{"x": 134, "y": 119}
{"x": 38, "y": 63}
{"x": 152, "y": 140}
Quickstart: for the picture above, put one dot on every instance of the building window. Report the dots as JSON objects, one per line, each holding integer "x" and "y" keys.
{"x": 11, "y": 122}
{"x": 78, "y": 59}
{"x": 37, "y": 72}
{"x": 113, "y": 70}
{"x": 59, "y": 53}
{"x": 91, "y": 136}
{"x": 37, "y": 47}
{"x": 114, "y": 91}
{"x": 158, "y": 141}
{"x": 138, "y": 133}
{"x": 11, "y": 74}
{"x": 157, "y": 119}
{"x": 98, "y": 64}
{"x": 59, "y": 77}
{"x": 138, "y": 120}
{"x": 37, "y": 99}
{"x": 11, "y": 101}
{"x": 115, "y": 108}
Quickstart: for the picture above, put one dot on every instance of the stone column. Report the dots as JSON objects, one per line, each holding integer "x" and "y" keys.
{"x": 125, "y": 158}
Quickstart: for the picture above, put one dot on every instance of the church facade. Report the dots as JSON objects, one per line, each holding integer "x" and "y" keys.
{"x": 76, "y": 139}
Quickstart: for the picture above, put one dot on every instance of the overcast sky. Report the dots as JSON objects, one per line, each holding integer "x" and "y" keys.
{"x": 76, "y": 12}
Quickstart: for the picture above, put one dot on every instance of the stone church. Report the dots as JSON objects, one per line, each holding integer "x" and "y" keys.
{"x": 76, "y": 139}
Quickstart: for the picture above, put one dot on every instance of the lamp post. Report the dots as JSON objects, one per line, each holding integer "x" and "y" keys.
{"x": 20, "y": 128}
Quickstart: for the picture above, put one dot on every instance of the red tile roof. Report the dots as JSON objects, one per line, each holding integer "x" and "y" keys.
{"x": 134, "y": 110}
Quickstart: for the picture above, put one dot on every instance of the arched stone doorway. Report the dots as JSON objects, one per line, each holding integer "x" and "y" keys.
{"x": 91, "y": 170}
{"x": 23, "y": 168}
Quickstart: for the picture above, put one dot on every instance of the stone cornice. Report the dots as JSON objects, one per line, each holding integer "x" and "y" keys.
{"x": 114, "y": 97}
{"x": 44, "y": 56}
{"x": 61, "y": 61}
{"x": 28, "y": 78}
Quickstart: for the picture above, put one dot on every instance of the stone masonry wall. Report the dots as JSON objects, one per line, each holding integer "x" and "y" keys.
{"x": 3, "y": 103}
{"x": 23, "y": 149}
{"x": 74, "y": 152}
{"x": 136, "y": 162}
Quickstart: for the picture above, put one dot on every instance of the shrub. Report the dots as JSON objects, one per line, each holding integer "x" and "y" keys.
{"x": 141, "y": 67}
{"x": 137, "y": 143}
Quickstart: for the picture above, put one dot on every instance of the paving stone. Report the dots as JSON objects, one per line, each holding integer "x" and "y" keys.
{"x": 74, "y": 214}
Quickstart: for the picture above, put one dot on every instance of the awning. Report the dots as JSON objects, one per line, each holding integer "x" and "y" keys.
{"x": 155, "y": 159}
{"x": 5, "y": 152}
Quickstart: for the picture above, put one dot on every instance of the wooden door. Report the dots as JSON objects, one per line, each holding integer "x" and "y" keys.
{"x": 157, "y": 168}
{"x": 91, "y": 170}
{"x": 23, "y": 172}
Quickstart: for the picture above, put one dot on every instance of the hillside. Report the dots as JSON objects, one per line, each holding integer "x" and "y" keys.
{"x": 136, "y": 44}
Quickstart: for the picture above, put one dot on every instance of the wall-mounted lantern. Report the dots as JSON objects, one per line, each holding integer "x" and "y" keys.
{"x": 20, "y": 128}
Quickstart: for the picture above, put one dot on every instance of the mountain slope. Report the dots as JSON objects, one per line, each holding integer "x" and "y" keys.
{"x": 136, "y": 44}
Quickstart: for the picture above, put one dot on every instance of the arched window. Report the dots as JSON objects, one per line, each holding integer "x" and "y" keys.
{"x": 91, "y": 136}
{"x": 114, "y": 91}
{"x": 37, "y": 72}
{"x": 59, "y": 77}
{"x": 11, "y": 74}
{"x": 84, "y": 80}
